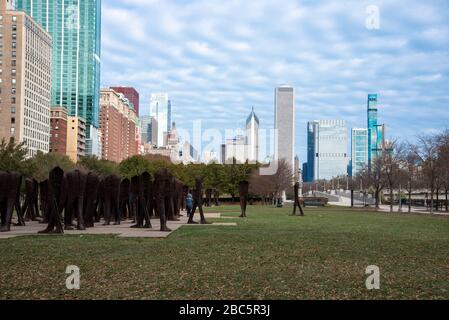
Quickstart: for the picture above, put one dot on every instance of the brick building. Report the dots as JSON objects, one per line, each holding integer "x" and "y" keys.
{"x": 118, "y": 126}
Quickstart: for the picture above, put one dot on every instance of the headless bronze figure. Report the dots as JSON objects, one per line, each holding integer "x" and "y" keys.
{"x": 197, "y": 202}
{"x": 161, "y": 190}
{"x": 297, "y": 204}
{"x": 56, "y": 194}
{"x": 243, "y": 191}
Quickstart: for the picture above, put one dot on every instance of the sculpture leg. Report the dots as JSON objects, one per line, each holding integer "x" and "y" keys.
{"x": 162, "y": 216}
{"x": 79, "y": 207}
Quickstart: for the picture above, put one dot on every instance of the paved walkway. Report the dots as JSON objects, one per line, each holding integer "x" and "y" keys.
{"x": 123, "y": 230}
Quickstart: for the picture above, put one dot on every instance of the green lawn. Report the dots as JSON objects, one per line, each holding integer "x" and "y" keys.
{"x": 269, "y": 255}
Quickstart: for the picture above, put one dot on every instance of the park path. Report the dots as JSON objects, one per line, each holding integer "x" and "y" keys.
{"x": 123, "y": 230}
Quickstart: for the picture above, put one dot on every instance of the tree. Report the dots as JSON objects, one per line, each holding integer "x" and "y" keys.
{"x": 427, "y": 150}
{"x": 13, "y": 158}
{"x": 392, "y": 167}
{"x": 43, "y": 163}
{"x": 100, "y": 166}
{"x": 410, "y": 163}
{"x": 375, "y": 177}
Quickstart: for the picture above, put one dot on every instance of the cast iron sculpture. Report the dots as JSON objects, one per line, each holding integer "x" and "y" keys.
{"x": 170, "y": 200}
{"x": 216, "y": 193}
{"x": 91, "y": 199}
{"x": 111, "y": 187}
{"x": 148, "y": 193}
{"x": 198, "y": 202}
{"x": 141, "y": 211}
{"x": 133, "y": 197}
{"x": 125, "y": 209}
{"x": 243, "y": 192}
{"x": 30, "y": 209}
{"x": 208, "y": 199}
{"x": 297, "y": 204}
{"x": 161, "y": 190}
{"x": 179, "y": 197}
{"x": 10, "y": 183}
{"x": 56, "y": 194}
{"x": 43, "y": 195}
{"x": 76, "y": 186}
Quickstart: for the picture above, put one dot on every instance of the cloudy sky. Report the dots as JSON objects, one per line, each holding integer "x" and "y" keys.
{"x": 216, "y": 59}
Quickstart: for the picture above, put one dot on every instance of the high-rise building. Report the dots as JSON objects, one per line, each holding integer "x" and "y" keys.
{"x": 252, "y": 136}
{"x": 308, "y": 174}
{"x": 25, "y": 80}
{"x": 76, "y": 138}
{"x": 131, "y": 94}
{"x": 375, "y": 131}
{"x": 160, "y": 109}
{"x": 359, "y": 151}
{"x": 118, "y": 124}
{"x": 75, "y": 26}
{"x": 149, "y": 130}
{"x": 58, "y": 133}
{"x": 236, "y": 149}
{"x": 329, "y": 149}
{"x": 284, "y": 124}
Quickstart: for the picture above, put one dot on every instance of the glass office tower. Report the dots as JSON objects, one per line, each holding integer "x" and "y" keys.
{"x": 75, "y": 26}
{"x": 359, "y": 147}
{"x": 375, "y": 132}
{"x": 330, "y": 143}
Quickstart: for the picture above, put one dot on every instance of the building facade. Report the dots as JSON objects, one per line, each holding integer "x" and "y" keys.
{"x": 160, "y": 109}
{"x": 76, "y": 138}
{"x": 252, "y": 136}
{"x": 58, "y": 130}
{"x": 131, "y": 94}
{"x": 25, "y": 80}
{"x": 330, "y": 143}
{"x": 359, "y": 151}
{"x": 75, "y": 26}
{"x": 119, "y": 126}
{"x": 285, "y": 124}
{"x": 375, "y": 131}
{"x": 149, "y": 130}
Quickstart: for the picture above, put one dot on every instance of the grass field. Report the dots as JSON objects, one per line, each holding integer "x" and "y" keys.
{"x": 269, "y": 255}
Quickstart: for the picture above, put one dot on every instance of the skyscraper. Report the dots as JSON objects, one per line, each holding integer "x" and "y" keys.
{"x": 375, "y": 131}
{"x": 25, "y": 80}
{"x": 160, "y": 109}
{"x": 284, "y": 123}
{"x": 359, "y": 150}
{"x": 75, "y": 26}
{"x": 252, "y": 136}
{"x": 308, "y": 174}
{"x": 330, "y": 143}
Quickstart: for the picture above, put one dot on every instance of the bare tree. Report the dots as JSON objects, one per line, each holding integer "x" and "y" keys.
{"x": 410, "y": 164}
{"x": 376, "y": 177}
{"x": 392, "y": 167}
{"x": 427, "y": 150}
{"x": 444, "y": 164}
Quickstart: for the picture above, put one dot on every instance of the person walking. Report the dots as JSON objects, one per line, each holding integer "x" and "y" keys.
{"x": 189, "y": 204}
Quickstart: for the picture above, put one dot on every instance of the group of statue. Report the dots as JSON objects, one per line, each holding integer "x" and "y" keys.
{"x": 79, "y": 199}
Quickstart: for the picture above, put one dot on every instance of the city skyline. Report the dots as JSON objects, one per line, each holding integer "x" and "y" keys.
{"x": 229, "y": 59}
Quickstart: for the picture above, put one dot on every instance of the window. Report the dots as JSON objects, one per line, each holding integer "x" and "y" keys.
{"x": 13, "y": 120}
{"x": 14, "y": 18}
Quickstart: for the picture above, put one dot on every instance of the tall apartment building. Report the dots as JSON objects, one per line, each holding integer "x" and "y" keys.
{"x": 252, "y": 136}
{"x": 285, "y": 124}
{"x": 375, "y": 131}
{"x": 76, "y": 138}
{"x": 236, "y": 149}
{"x": 25, "y": 80}
{"x": 58, "y": 132}
{"x": 131, "y": 94}
{"x": 330, "y": 143}
{"x": 118, "y": 125}
{"x": 160, "y": 109}
{"x": 359, "y": 151}
{"x": 75, "y": 26}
